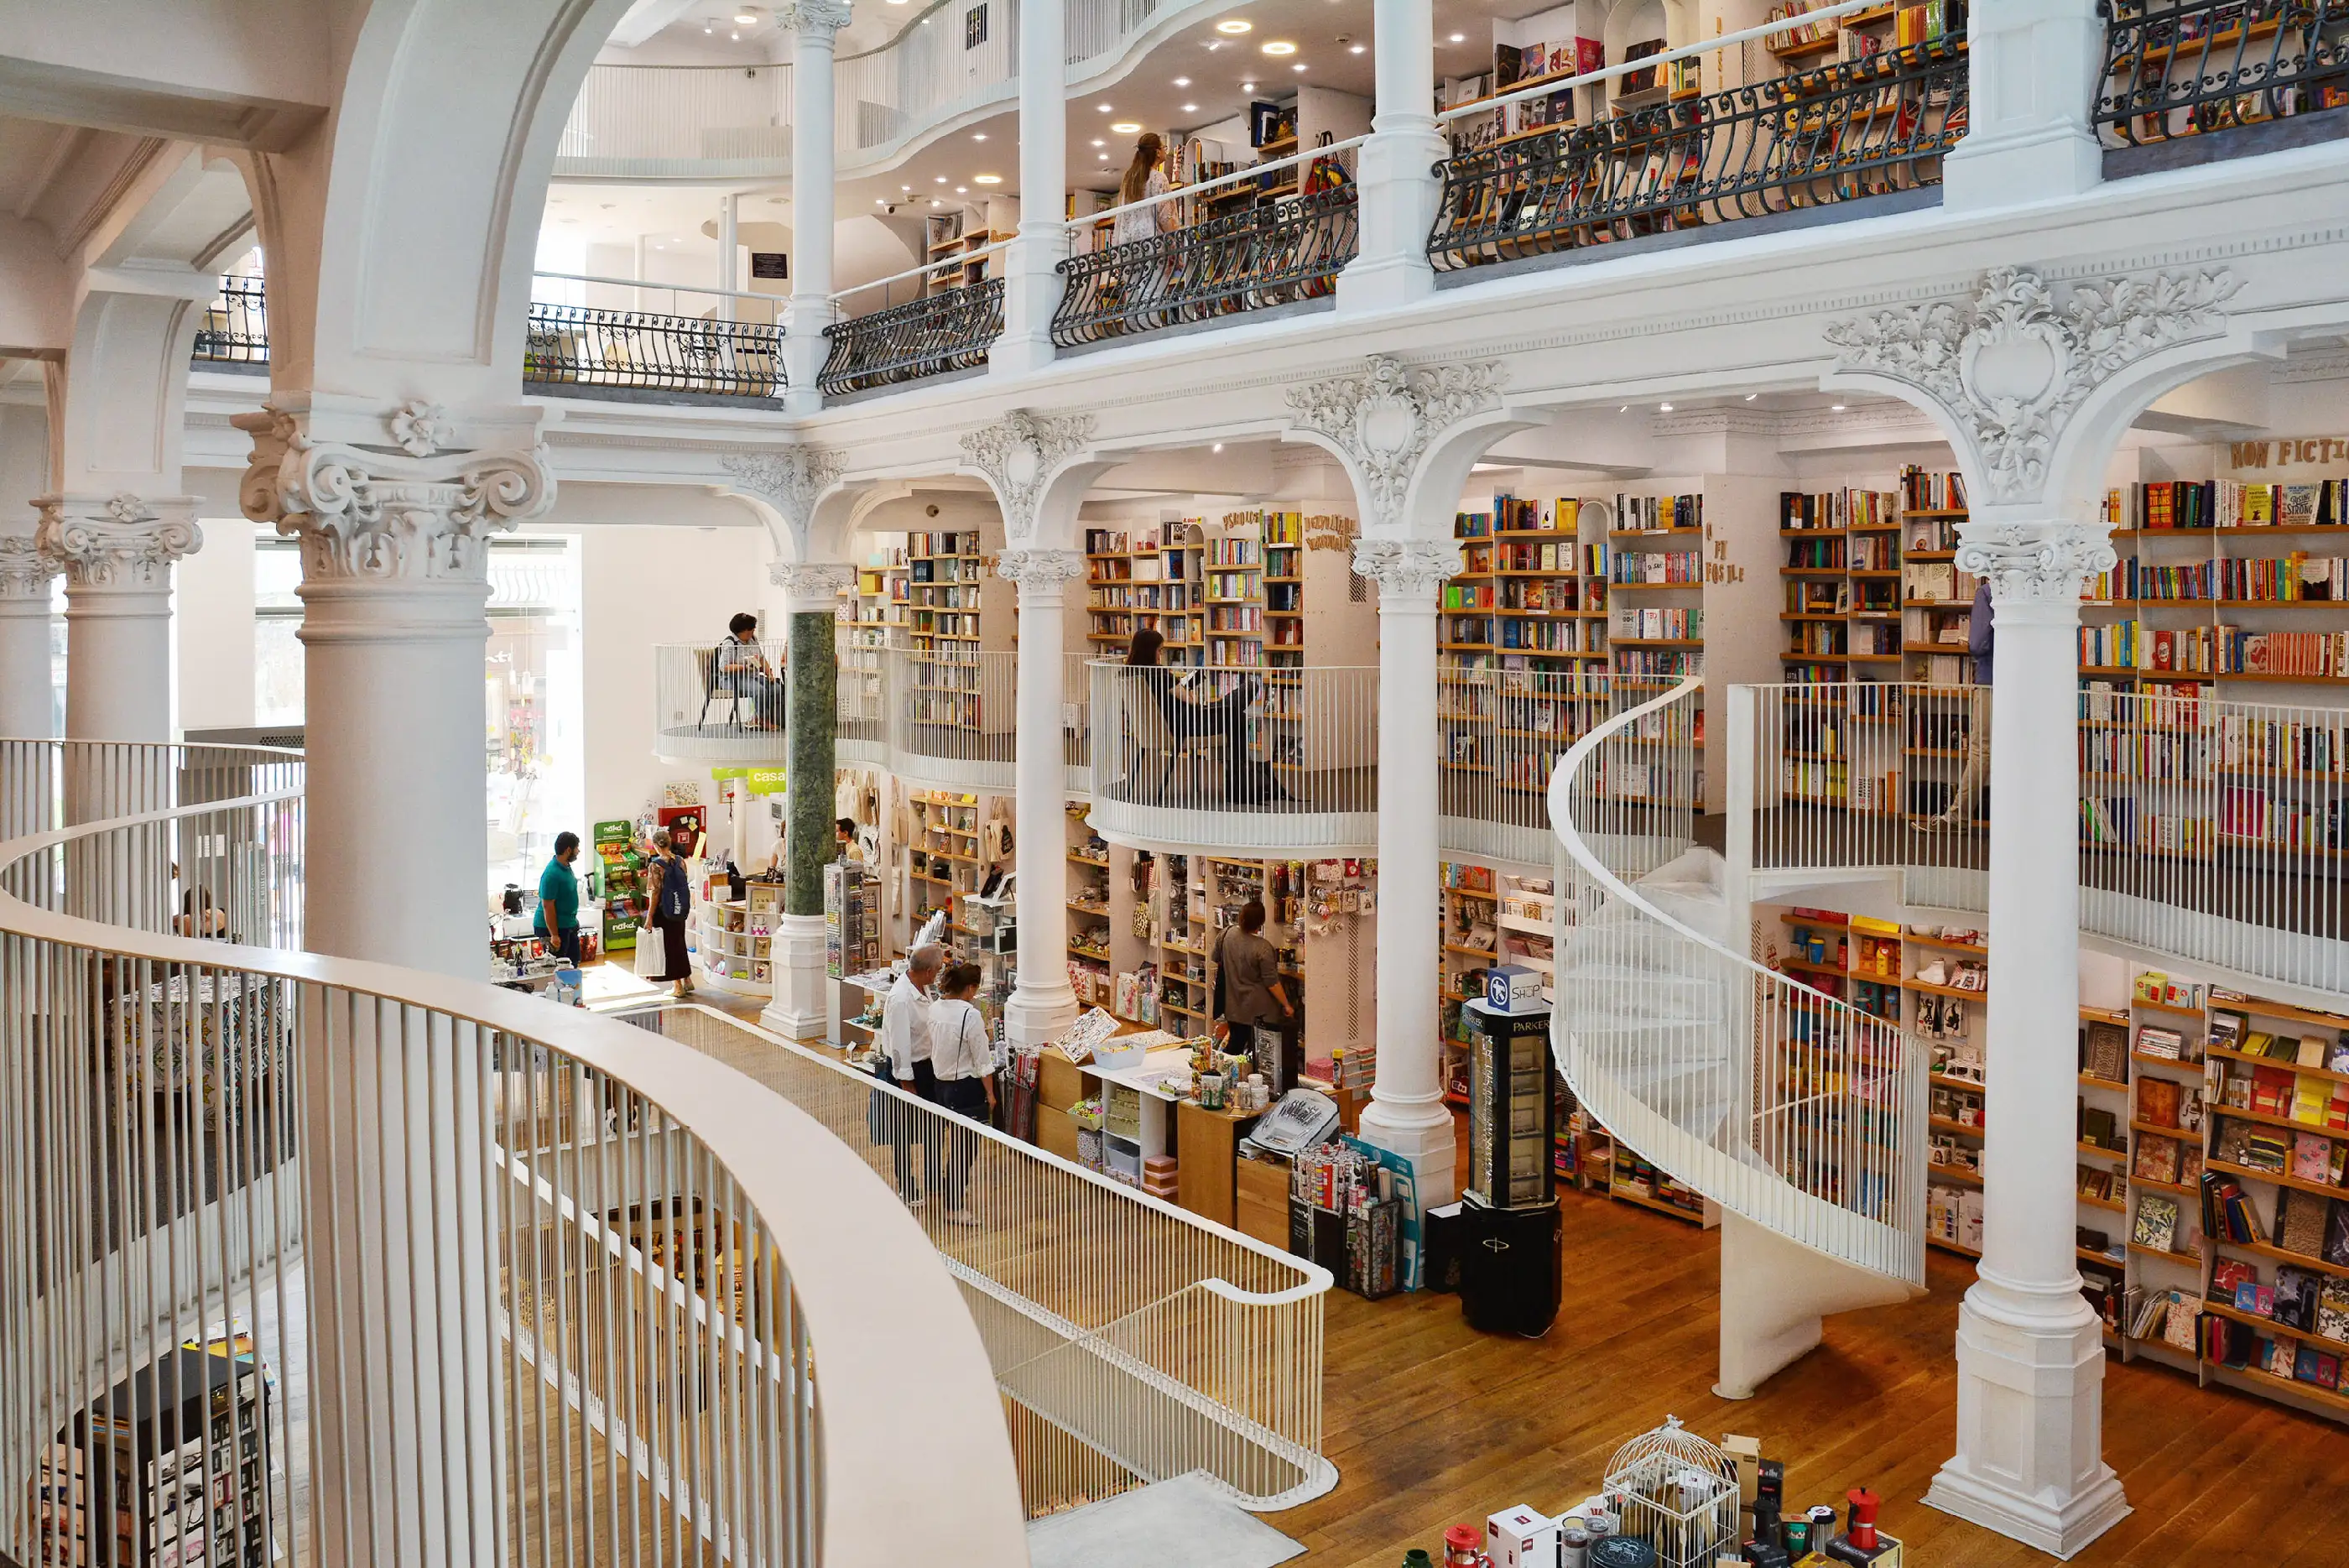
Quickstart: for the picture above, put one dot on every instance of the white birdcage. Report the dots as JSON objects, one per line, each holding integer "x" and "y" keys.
{"x": 1676, "y": 1492}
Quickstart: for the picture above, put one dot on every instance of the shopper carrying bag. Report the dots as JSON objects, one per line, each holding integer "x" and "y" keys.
{"x": 964, "y": 1063}
{"x": 672, "y": 902}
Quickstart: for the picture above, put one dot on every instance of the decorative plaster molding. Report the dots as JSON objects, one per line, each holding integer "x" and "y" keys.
{"x": 118, "y": 541}
{"x": 2047, "y": 563}
{"x": 1869, "y": 419}
{"x": 806, "y": 581}
{"x": 2012, "y": 366}
{"x": 1018, "y": 454}
{"x": 406, "y": 515}
{"x": 1409, "y": 572}
{"x": 801, "y": 16}
{"x": 789, "y": 479}
{"x": 1040, "y": 568}
{"x": 1385, "y": 416}
{"x": 24, "y": 570}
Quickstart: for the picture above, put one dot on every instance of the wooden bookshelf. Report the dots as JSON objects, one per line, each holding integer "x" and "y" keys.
{"x": 1840, "y": 553}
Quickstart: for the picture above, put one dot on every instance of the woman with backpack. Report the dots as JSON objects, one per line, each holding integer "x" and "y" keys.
{"x": 671, "y": 897}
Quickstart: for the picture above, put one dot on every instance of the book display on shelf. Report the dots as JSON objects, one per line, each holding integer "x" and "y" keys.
{"x": 946, "y": 627}
{"x": 1840, "y": 553}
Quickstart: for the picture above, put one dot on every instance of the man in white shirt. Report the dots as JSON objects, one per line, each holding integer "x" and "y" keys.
{"x": 905, "y": 1041}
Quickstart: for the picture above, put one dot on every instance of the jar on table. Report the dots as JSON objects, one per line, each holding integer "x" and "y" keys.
{"x": 1463, "y": 1547}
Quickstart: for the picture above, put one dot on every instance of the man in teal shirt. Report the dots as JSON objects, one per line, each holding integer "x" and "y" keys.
{"x": 558, "y": 900}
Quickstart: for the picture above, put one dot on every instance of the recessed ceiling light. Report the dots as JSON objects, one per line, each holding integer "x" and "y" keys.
{"x": 1099, "y": 142}
{"x": 1218, "y": 446}
{"x": 1665, "y": 407}
{"x": 1298, "y": 67}
{"x": 736, "y": 36}
{"x": 941, "y": 180}
{"x": 934, "y": 200}
{"x": 1459, "y": 37}
{"x": 904, "y": 188}
{"x": 1624, "y": 409}
{"x": 1280, "y": 47}
{"x": 962, "y": 190}
{"x": 1358, "y": 48}
{"x": 1125, "y": 127}
{"x": 1247, "y": 87}
{"x": 1103, "y": 106}
{"x": 1835, "y": 408}
{"x": 979, "y": 136}
{"x": 987, "y": 178}
{"x": 1751, "y": 396}
{"x": 746, "y": 18}
{"x": 1190, "y": 109}
{"x": 1181, "y": 81}
{"x": 1232, "y": 27}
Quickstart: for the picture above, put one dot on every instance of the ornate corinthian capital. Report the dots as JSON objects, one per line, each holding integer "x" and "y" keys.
{"x": 791, "y": 480}
{"x": 1018, "y": 454}
{"x": 1040, "y": 568}
{"x": 1385, "y": 416}
{"x": 405, "y": 512}
{"x": 118, "y": 541}
{"x": 802, "y": 15}
{"x": 1408, "y": 571}
{"x": 2046, "y": 562}
{"x": 2013, "y": 365}
{"x": 25, "y": 571}
{"x": 811, "y": 586}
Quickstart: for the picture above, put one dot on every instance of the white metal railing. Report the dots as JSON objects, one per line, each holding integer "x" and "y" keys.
{"x": 1152, "y": 1341}
{"x": 720, "y": 701}
{"x": 1501, "y": 733}
{"x": 684, "y": 300}
{"x": 1281, "y": 759}
{"x": 1781, "y": 1104}
{"x": 651, "y": 122}
{"x": 953, "y": 713}
{"x": 2210, "y": 831}
{"x": 1076, "y": 723}
{"x": 454, "y": 1284}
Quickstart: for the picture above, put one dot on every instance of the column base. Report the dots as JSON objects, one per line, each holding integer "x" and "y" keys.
{"x": 2030, "y": 1462}
{"x": 801, "y": 1008}
{"x": 2051, "y": 164}
{"x": 1010, "y": 356}
{"x": 1387, "y": 284}
{"x": 1032, "y": 1016}
{"x": 1423, "y": 1135}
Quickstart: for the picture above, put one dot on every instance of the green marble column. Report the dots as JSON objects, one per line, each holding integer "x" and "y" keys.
{"x": 811, "y": 721}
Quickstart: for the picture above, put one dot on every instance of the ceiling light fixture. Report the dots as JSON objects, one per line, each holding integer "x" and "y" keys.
{"x": 941, "y": 180}
{"x": 1359, "y": 48}
{"x": 987, "y": 178}
{"x": 1217, "y": 447}
{"x": 1181, "y": 81}
{"x": 1751, "y": 396}
{"x": 746, "y": 17}
{"x": 979, "y": 136}
{"x": 1298, "y": 67}
{"x": 962, "y": 190}
{"x": 1835, "y": 408}
{"x": 1279, "y": 47}
{"x": 1459, "y": 37}
{"x": 1125, "y": 127}
{"x": 1103, "y": 106}
{"x": 1099, "y": 142}
{"x": 1247, "y": 87}
{"x": 1232, "y": 27}
{"x": 1190, "y": 109}
{"x": 905, "y": 188}
{"x": 1624, "y": 409}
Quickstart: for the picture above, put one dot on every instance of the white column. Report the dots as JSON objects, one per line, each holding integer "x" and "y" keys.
{"x": 395, "y": 578}
{"x": 801, "y": 1008}
{"x": 1031, "y": 289}
{"x": 2033, "y": 76}
{"x": 25, "y": 574}
{"x": 1041, "y": 1004}
{"x": 1399, "y": 190}
{"x": 729, "y": 264}
{"x": 813, "y": 24}
{"x": 2031, "y": 1361}
{"x": 116, "y": 552}
{"x": 1407, "y": 1113}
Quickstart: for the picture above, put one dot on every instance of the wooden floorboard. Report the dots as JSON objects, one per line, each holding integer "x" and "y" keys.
{"x": 1432, "y": 1424}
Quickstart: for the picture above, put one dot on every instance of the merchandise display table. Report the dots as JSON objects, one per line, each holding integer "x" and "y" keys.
{"x": 1136, "y": 1102}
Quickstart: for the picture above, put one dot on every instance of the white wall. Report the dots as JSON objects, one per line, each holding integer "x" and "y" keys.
{"x": 213, "y": 625}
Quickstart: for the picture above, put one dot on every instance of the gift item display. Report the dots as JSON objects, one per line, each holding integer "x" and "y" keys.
{"x": 521, "y": 962}
{"x": 1672, "y": 1500}
{"x": 734, "y": 922}
{"x": 1352, "y": 1209}
{"x": 622, "y": 869}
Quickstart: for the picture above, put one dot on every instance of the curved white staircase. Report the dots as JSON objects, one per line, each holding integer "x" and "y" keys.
{"x": 1803, "y": 1118}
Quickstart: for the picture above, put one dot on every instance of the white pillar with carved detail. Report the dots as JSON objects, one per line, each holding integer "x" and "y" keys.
{"x": 1407, "y": 1113}
{"x": 1042, "y": 1004}
{"x": 116, "y": 552}
{"x": 1031, "y": 288}
{"x": 2031, "y": 1358}
{"x": 25, "y": 577}
{"x": 814, "y": 24}
{"x": 1399, "y": 190}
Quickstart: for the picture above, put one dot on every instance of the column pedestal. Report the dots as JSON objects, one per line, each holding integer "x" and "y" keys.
{"x": 814, "y": 24}
{"x": 1031, "y": 289}
{"x": 1399, "y": 191}
{"x": 1042, "y": 1003}
{"x": 2031, "y": 1358}
{"x": 801, "y": 1009}
{"x": 1407, "y": 1113}
{"x": 26, "y": 712}
{"x": 2034, "y": 72}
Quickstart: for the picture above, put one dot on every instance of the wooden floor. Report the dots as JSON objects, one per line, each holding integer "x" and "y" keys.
{"x": 1432, "y": 1424}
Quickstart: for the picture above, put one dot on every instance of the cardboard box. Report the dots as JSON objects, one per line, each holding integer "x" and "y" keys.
{"x": 1059, "y": 1081}
{"x": 1055, "y": 1133}
{"x": 1520, "y": 1538}
{"x": 1748, "y": 1453}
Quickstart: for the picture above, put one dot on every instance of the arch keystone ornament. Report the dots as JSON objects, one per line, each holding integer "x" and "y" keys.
{"x": 1385, "y": 416}
{"x": 2013, "y": 365}
{"x": 1018, "y": 454}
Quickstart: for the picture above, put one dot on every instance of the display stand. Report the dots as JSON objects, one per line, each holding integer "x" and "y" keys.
{"x": 732, "y": 937}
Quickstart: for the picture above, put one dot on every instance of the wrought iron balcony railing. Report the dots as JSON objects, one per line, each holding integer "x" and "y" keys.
{"x": 946, "y": 331}
{"x": 1857, "y": 128}
{"x": 1272, "y": 253}
{"x": 235, "y": 330}
{"x": 587, "y": 346}
{"x": 2187, "y": 67}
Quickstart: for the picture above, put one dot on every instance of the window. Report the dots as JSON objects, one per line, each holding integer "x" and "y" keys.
{"x": 276, "y": 650}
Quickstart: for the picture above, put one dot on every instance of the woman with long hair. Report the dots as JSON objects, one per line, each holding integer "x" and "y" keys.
{"x": 672, "y": 902}
{"x": 1188, "y": 716}
{"x": 1143, "y": 179}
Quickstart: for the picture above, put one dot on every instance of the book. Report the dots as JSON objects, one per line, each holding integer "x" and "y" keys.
{"x": 2336, "y": 1235}
{"x": 2100, "y": 1126}
{"x": 2166, "y": 1043}
{"x": 2157, "y": 1222}
{"x": 2227, "y": 1273}
{"x": 2333, "y": 1309}
{"x": 2104, "y": 1051}
{"x": 2157, "y": 1102}
{"x": 2312, "y": 1156}
{"x": 2180, "y": 1327}
{"x": 2155, "y": 1160}
{"x": 2301, "y": 1222}
{"x": 2246, "y": 1296}
{"x": 2296, "y": 1297}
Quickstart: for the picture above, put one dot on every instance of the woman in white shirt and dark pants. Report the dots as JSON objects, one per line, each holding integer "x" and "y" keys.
{"x": 963, "y": 1059}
